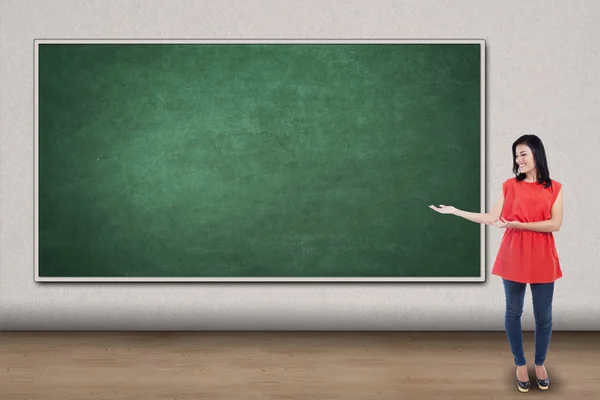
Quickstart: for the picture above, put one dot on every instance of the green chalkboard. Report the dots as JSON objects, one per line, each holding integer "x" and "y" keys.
{"x": 258, "y": 160}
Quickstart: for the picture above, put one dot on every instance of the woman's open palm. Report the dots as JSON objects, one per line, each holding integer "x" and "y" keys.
{"x": 442, "y": 209}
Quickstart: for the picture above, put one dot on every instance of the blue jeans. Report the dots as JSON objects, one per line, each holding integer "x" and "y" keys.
{"x": 541, "y": 294}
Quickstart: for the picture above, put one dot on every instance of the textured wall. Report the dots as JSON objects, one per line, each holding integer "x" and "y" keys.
{"x": 542, "y": 59}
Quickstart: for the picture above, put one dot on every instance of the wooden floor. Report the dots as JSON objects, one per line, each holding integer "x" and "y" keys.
{"x": 287, "y": 365}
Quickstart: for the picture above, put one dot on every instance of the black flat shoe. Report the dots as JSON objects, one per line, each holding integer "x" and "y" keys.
{"x": 523, "y": 386}
{"x": 543, "y": 384}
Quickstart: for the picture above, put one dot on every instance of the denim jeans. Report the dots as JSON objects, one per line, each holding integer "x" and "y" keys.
{"x": 541, "y": 294}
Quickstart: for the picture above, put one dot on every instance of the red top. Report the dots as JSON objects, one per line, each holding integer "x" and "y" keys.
{"x": 526, "y": 256}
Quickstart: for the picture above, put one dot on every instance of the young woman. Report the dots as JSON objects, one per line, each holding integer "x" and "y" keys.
{"x": 530, "y": 209}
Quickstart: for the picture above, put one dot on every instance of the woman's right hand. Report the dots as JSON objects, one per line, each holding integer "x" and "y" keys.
{"x": 442, "y": 209}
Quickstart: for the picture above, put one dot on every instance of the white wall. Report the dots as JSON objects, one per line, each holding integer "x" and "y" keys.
{"x": 543, "y": 58}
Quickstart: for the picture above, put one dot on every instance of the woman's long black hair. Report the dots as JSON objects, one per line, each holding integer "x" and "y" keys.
{"x": 539, "y": 155}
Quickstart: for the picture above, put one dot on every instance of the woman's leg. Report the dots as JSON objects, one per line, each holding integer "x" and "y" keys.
{"x": 515, "y": 296}
{"x": 542, "y": 294}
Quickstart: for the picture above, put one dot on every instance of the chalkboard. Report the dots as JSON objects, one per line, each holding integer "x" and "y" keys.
{"x": 258, "y": 160}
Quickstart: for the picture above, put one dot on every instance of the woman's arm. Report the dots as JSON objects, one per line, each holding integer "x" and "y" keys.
{"x": 481, "y": 218}
{"x": 551, "y": 225}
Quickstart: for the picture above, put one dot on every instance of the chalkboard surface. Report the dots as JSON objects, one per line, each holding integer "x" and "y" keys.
{"x": 258, "y": 160}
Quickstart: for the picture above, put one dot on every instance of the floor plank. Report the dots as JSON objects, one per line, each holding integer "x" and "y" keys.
{"x": 286, "y": 365}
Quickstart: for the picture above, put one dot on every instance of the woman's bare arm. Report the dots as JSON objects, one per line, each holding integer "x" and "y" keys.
{"x": 551, "y": 225}
{"x": 481, "y": 218}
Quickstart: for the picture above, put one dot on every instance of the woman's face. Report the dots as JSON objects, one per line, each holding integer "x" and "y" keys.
{"x": 524, "y": 159}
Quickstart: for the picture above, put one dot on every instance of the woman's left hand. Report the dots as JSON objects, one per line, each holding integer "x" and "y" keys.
{"x": 502, "y": 223}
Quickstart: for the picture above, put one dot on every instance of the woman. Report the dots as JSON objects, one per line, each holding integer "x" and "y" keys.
{"x": 530, "y": 208}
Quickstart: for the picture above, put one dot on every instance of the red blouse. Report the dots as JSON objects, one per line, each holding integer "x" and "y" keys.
{"x": 526, "y": 256}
